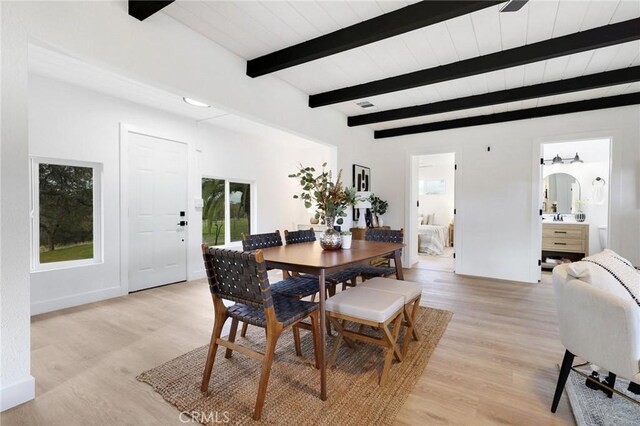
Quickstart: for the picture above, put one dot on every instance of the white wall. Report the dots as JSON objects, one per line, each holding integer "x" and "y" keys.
{"x": 73, "y": 123}
{"x": 497, "y": 224}
{"x": 440, "y": 204}
{"x": 159, "y": 52}
{"x": 16, "y": 383}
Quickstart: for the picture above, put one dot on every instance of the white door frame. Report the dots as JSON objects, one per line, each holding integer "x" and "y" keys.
{"x": 536, "y": 182}
{"x": 411, "y": 184}
{"x": 125, "y": 130}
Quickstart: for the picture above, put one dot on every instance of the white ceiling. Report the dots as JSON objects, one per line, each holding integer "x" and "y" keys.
{"x": 58, "y": 66}
{"x": 251, "y": 29}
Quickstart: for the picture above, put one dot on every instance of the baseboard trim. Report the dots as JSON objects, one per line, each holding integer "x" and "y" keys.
{"x": 17, "y": 393}
{"x": 74, "y": 300}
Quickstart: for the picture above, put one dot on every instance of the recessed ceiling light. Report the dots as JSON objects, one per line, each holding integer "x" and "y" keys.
{"x": 195, "y": 103}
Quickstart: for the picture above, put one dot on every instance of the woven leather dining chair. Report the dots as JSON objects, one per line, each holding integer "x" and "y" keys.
{"x": 346, "y": 277}
{"x": 242, "y": 278}
{"x": 381, "y": 235}
{"x": 296, "y": 287}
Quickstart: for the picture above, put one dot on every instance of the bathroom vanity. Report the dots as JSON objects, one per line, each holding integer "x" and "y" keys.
{"x": 564, "y": 240}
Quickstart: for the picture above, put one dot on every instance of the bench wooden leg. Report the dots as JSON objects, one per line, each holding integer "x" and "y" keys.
{"x": 391, "y": 339}
{"x": 336, "y": 345}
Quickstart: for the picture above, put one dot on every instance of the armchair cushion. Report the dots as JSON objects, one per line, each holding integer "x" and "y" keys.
{"x": 609, "y": 272}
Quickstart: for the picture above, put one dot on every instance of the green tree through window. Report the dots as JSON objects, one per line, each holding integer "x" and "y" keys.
{"x": 215, "y": 224}
{"x": 66, "y": 212}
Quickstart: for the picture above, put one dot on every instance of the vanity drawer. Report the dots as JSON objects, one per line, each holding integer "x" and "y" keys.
{"x": 554, "y": 231}
{"x": 564, "y": 244}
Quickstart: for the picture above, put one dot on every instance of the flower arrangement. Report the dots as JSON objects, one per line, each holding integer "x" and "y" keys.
{"x": 330, "y": 198}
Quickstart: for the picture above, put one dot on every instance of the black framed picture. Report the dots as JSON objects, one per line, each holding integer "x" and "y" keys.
{"x": 361, "y": 178}
{"x": 361, "y": 182}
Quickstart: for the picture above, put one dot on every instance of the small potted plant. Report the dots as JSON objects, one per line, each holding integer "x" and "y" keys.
{"x": 346, "y": 239}
{"x": 378, "y": 208}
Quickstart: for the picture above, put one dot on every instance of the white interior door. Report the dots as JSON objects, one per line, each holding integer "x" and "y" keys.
{"x": 157, "y": 196}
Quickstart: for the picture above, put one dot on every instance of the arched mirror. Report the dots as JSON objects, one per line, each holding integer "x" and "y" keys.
{"x": 561, "y": 191}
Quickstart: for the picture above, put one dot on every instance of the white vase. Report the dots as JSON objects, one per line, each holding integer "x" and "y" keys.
{"x": 380, "y": 223}
{"x": 346, "y": 241}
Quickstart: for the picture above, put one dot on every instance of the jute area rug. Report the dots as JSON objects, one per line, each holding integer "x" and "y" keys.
{"x": 593, "y": 408}
{"x": 355, "y": 398}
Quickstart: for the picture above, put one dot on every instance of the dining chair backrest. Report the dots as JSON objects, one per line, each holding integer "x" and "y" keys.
{"x": 385, "y": 235}
{"x": 295, "y": 237}
{"x": 260, "y": 241}
{"x": 238, "y": 276}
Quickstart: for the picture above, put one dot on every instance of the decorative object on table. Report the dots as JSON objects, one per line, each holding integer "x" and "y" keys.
{"x": 331, "y": 238}
{"x": 314, "y": 220}
{"x": 294, "y": 382}
{"x": 330, "y": 198}
{"x": 360, "y": 208}
{"x": 346, "y": 239}
{"x": 361, "y": 178}
{"x": 378, "y": 208}
{"x": 580, "y": 216}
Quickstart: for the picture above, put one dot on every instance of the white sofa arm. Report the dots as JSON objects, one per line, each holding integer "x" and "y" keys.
{"x": 598, "y": 326}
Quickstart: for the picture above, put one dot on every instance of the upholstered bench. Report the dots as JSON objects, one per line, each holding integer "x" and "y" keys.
{"x": 367, "y": 306}
{"x": 411, "y": 293}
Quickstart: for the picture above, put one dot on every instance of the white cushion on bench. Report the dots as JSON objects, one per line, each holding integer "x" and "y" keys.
{"x": 407, "y": 289}
{"x": 365, "y": 303}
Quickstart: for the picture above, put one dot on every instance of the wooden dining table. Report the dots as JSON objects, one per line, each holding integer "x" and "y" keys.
{"x": 310, "y": 258}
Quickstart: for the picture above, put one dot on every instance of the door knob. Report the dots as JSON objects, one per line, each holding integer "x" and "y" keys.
{"x": 182, "y": 223}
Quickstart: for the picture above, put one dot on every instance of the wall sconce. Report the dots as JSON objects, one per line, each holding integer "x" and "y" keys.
{"x": 559, "y": 160}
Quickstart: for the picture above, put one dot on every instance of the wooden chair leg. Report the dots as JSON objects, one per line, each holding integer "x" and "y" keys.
{"x": 232, "y": 336}
{"x": 296, "y": 339}
{"x": 409, "y": 319}
{"x": 213, "y": 348}
{"x": 272, "y": 339}
{"x": 243, "y": 333}
{"x": 565, "y": 369}
{"x": 316, "y": 330}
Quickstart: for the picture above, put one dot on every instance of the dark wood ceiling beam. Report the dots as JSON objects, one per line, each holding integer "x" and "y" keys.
{"x": 142, "y": 9}
{"x": 607, "y": 35}
{"x": 391, "y": 24}
{"x": 592, "y": 81}
{"x": 523, "y": 114}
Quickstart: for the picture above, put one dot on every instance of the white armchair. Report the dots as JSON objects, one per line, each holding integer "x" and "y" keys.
{"x": 597, "y": 326}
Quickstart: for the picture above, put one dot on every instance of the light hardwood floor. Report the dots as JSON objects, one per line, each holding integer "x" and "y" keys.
{"x": 494, "y": 365}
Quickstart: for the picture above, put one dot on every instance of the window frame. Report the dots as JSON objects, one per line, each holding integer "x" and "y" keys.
{"x": 227, "y": 208}
{"x": 34, "y": 213}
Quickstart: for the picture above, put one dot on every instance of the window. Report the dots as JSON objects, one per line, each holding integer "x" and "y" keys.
{"x": 65, "y": 213}
{"x": 226, "y": 211}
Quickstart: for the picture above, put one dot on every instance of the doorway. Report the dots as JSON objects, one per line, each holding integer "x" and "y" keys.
{"x": 436, "y": 202}
{"x": 574, "y": 192}
{"x": 157, "y": 208}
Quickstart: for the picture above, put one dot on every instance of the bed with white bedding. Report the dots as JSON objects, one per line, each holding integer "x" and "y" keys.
{"x": 432, "y": 239}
